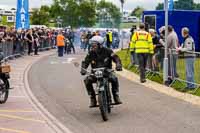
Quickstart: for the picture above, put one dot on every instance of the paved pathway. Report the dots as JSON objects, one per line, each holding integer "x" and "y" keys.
{"x": 18, "y": 114}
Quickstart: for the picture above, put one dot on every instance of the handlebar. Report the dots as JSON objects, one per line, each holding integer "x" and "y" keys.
{"x": 97, "y": 69}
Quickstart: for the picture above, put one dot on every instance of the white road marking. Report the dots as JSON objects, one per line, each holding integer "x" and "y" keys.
{"x": 70, "y": 59}
{"x": 66, "y": 61}
{"x": 53, "y": 62}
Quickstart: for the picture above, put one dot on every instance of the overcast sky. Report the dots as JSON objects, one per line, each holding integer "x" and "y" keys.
{"x": 129, "y": 4}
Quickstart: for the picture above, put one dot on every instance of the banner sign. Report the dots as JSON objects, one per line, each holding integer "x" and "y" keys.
{"x": 22, "y": 14}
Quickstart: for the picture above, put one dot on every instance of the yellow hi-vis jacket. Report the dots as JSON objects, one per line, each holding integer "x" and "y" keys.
{"x": 141, "y": 42}
{"x": 110, "y": 36}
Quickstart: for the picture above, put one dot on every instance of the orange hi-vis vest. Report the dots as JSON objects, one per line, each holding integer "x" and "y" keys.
{"x": 60, "y": 40}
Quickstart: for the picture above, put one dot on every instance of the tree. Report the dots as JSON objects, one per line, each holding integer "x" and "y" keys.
{"x": 180, "y": 4}
{"x": 197, "y": 6}
{"x": 108, "y": 14}
{"x": 160, "y": 6}
{"x": 184, "y": 4}
{"x": 55, "y": 9}
{"x": 74, "y": 12}
{"x": 45, "y": 8}
{"x": 122, "y": 4}
{"x": 70, "y": 14}
{"x": 40, "y": 17}
{"x": 87, "y": 14}
{"x": 137, "y": 12}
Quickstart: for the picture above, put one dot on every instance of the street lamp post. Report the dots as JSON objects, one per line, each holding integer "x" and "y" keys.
{"x": 122, "y": 36}
{"x": 165, "y": 75}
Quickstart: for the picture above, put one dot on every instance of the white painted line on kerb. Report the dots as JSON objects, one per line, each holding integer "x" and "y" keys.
{"x": 12, "y": 130}
{"x": 17, "y": 96}
{"x": 53, "y": 62}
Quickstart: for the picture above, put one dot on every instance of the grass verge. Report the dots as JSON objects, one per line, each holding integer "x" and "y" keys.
{"x": 179, "y": 85}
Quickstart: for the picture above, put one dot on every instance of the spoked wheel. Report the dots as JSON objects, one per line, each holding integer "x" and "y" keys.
{"x": 4, "y": 90}
{"x": 103, "y": 105}
{"x": 109, "y": 100}
{"x": 109, "y": 104}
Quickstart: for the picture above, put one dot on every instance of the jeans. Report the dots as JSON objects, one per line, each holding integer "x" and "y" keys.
{"x": 82, "y": 44}
{"x": 172, "y": 59}
{"x": 149, "y": 61}
{"x": 134, "y": 59}
{"x": 60, "y": 51}
{"x": 190, "y": 72}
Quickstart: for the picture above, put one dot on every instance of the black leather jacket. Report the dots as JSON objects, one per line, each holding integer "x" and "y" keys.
{"x": 102, "y": 58}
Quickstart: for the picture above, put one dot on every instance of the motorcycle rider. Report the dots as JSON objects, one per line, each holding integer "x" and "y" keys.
{"x": 100, "y": 56}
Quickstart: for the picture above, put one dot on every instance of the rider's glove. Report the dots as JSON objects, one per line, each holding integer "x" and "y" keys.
{"x": 118, "y": 68}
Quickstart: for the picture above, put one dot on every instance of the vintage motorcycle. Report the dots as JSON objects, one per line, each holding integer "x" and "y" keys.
{"x": 102, "y": 90}
{"x": 4, "y": 82}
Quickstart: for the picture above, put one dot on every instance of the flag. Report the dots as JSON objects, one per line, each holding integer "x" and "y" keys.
{"x": 22, "y": 14}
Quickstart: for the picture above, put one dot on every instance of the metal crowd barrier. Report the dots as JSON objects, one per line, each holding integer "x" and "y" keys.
{"x": 12, "y": 49}
{"x": 185, "y": 70}
{"x": 177, "y": 68}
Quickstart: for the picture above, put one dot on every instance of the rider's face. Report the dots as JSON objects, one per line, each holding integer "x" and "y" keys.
{"x": 94, "y": 47}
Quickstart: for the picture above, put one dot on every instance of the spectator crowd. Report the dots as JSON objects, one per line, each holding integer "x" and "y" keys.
{"x": 175, "y": 50}
{"x": 29, "y": 41}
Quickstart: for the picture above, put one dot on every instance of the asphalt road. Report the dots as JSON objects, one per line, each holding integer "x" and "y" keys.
{"x": 59, "y": 87}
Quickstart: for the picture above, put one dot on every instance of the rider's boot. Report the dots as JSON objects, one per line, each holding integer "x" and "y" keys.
{"x": 93, "y": 101}
{"x": 117, "y": 99}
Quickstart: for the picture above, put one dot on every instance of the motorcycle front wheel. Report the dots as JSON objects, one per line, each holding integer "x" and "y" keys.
{"x": 4, "y": 90}
{"x": 103, "y": 105}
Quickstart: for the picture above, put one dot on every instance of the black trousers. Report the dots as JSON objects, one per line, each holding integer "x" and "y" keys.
{"x": 30, "y": 50}
{"x": 60, "y": 51}
{"x": 89, "y": 80}
{"x": 108, "y": 44}
{"x": 35, "y": 49}
{"x": 142, "y": 59}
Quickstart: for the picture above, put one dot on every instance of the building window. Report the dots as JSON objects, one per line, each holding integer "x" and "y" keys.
{"x": 150, "y": 21}
{"x": 10, "y": 18}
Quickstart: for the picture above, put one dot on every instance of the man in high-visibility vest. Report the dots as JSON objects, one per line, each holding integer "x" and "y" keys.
{"x": 109, "y": 38}
{"x": 141, "y": 43}
{"x": 60, "y": 44}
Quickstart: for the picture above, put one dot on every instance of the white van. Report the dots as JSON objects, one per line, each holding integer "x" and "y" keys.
{"x": 132, "y": 19}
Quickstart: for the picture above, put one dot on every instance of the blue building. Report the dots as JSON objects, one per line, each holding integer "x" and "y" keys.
{"x": 178, "y": 19}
